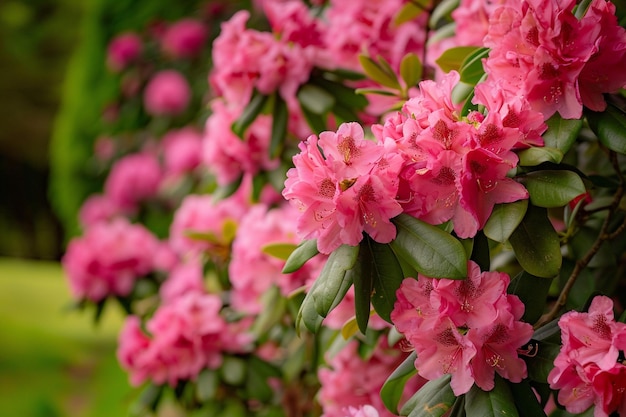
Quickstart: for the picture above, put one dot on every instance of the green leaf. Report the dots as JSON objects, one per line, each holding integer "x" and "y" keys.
{"x": 443, "y": 11}
{"x": 206, "y": 385}
{"x": 411, "y": 69}
{"x": 533, "y": 292}
{"x": 432, "y": 400}
{"x": 480, "y": 251}
{"x": 316, "y": 122}
{"x": 428, "y": 249}
{"x": 410, "y": 11}
{"x": 233, "y": 370}
{"x": 453, "y": 58}
{"x": 249, "y": 114}
{"x": 279, "y": 126}
{"x": 561, "y": 133}
{"x": 534, "y": 156}
{"x": 495, "y": 403}
{"x": 257, "y": 385}
{"x": 526, "y": 400}
{"x": 148, "y": 400}
{"x": 305, "y": 251}
{"x": 363, "y": 280}
{"x": 540, "y": 364}
{"x": 536, "y": 244}
{"x": 307, "y": 314}
{"x": 472, "y": 70}
{"x": 392, "y": 389}
{"x": 552, "y": 188}
{"x": 343, "y": 94}
{"x": 610, "y": 127}
{"x": 462, "y": 93}
{"x": 378, "y": 91}
{"x": 379, "y": 73}
{"x": 281, "y": 251}
{"x": 444, "y": 32}
{"x": 315, "y": 99}
{"x": 333, "y": 282}
{"x": 504, "y": 220}
{"x": 388, "y": 276}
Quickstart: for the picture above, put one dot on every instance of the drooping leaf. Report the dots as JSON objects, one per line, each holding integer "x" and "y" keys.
{"x": 411, "y": 69}
{"x": 250, "y": 113}
{"x": 363, "y": 279}
{"x": 553, "y": 188}
{"x": 428, "y": 249}
{"x": 471, "y": 69}
{"x": 533, "y": 292}
{"x": 305, "y": 251}
{"x": 308, "y": 315}
{"x": 432, "y": 400}
{"x": 333, "y": 282}
{"x": 453, "y": 58}
{"x": 315, "y": 99}
{"x": 610, "y": 127}
{"x": 388, "y": 276}
{"x": 280, "y": 118}
{"x": 504, "y": 220}
{"x": 495, "y": 403}
{"x": 534, "y": 156}
{"x": 378, "y": 72}
{"x": 279, "y": 250}
{"x": 391, "y": 391}
{"x": 561, "y": 133}
{"x": 536, "y": 244}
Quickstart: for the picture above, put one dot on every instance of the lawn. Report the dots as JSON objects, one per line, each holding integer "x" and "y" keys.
{"x": 53, "y": 360}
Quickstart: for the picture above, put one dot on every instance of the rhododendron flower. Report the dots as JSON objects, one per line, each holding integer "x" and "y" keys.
{"x": 470, "y": 328}
{"x": 182, "y": 151}
{"x": 97, "y": 208}
{"x": 108, "y": 259}
{"x": 349, "y": 190}
{"x": 353, "y": 381}
{"x": 167, "y": 94}
{"x": 183, "y": 279}
{"x": 123, "y": 50}
{"x": 133, "y": 179}
{"x": 589, "y": 369}
{"x": 362, "y": 411}
{"x": 184, "y": 38}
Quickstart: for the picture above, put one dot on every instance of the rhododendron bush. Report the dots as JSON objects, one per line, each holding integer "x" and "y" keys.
{"x": 366, "y": 208}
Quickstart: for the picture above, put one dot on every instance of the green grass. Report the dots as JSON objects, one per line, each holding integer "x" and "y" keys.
{"x": 53, "y": 360}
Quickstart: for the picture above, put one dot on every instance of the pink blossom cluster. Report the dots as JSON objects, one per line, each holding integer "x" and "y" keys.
{"x": 185, "y": 38}
{"x": 350, "y": 385}
{"x": 349, "y": 189}
{"x": 123, "y": 50}
{"x": 557, "y": 61}
{"x": 167, "y": 93}
{"x": 184, "y": 336}
{"x": 455, "y": 168}
{"x": 252, "y": 271}
{"x": 470, "y": 328}
{"x": 109, "y": 258}
{"x": 590, "y": 369}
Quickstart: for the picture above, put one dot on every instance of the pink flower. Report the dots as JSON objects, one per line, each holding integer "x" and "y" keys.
{"x": 293, "y": 22}
{"x": 133, "y": 179}
{"x": 97, "y": 208}
{"x": 183, "y": 279}
{"x": 184, "y": 39}
{"x": 362, "y": 411}
{"x": 588, "y": 370}
{"x": 167, "y": 94}
{"x": 469, "y": 328}
{"x": 108, "y": 259}
{"x": 350, "y": 190}
{"x": 123, "y": 50}
{"x": 181, "y": 151}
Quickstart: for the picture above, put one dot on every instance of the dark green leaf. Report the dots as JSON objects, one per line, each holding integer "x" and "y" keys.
{"x": 227, "y": 190}
{"x": 378, "y": 91}
{"x": 316, "y": 122}
{"x": 279, "y": 126}
{"x": 554, "y": 188}
{"x": 472, "y": 70}
{"x": 363, "y": 279}
{"x": 305, "y": 251}
{"x": 392, "y": 389}
{"x": 388, "y": 276}
{"x": 610, "y": 127}
{"x": 480, "y": 251}
{"x": 315, "y": 99}
{"x": 378, "y": 72}
{"x": 540, "y": 365}
{"x": 534, "y": 156}
{"x": 257, "y": 385}
{"x": 233, "y": 370}
{"x": 462, "y": 93}
{"x": 333, "y": 282}
{"x": 504, "y": 220}
{"x": 526, "y": 400}
{"x": 495, "y": 403}
{"x": 443, "y": 11}
{"x": 561, "y": 133}
{"x": 453, "y": 58}
{"x": 536, "y": 244}
{"x": 432, "y": 400}
{"x": 148, "y": 400}
{"x": 411, "y": 69}
{"x": 249, "y": 114}
{"x": 533, "y": 292}
{"x": 583, "y": 240}
{"x": 428, "y": 249}
{"x": 206, "y": 385}
{"x": 344, "y": 95}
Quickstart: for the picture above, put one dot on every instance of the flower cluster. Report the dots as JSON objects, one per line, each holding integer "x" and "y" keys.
{"x": 589, "y": 369}
{"x": 468, "y": 328}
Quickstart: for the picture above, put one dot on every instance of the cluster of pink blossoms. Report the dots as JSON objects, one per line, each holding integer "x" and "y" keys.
{"x": 348, "y": 189}
{"x": 468, "y": 328}
{"x": 557, "y": 61}
{"x": 351, "y": 385}
{"x": 590, "y": 369}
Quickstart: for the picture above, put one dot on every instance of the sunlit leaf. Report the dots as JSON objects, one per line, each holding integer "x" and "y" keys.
{"x": 432, "y": 400}
{"x": 410, "y": 11}
{"x": 561, "y": 133}
{"x": 411, "y": 69}
{"x": 471, "y": 69}
{"x": 279, "y": 250}
{"x": 536, "y": 244}
{"x": 392, "y": 389}
{"x": 428, "y": 249}
{"x": 504, "y": 220}
{"x": 536, "y": 155}
{"x": 305, "y": 251}
{"x": 453, "y": 58}
{"x": 552, "y": 188}
{"x": 378, "y": 73}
